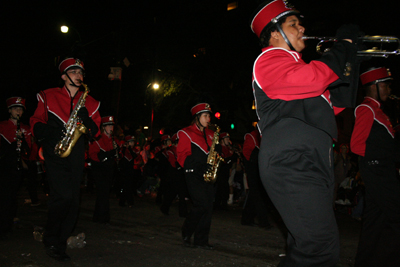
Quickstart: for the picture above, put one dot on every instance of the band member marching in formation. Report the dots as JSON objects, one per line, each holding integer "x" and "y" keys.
{"x": 15, "y": 144}
{"x": 173, "y": 179}
{"x": 127, "y": 171}
{"x": 104, "y": 153}
{"x": 297, "y": 122}
{"x": 64, "y": 174}
{"x": 373, "y": 139}
{"x": 257, "y": 198}
{"x": 193, "y": 148}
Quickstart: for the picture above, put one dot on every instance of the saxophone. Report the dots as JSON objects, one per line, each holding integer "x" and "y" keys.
{"x": 73, "y": 129}
{"x": 213, "y": 159}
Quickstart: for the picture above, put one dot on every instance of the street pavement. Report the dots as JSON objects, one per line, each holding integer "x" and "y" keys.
{"x": 143, "y": 236}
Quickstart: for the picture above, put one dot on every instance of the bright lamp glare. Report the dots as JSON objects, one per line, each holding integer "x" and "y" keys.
{"x": 64, "y": 29}
{"x": 156, "y": 86}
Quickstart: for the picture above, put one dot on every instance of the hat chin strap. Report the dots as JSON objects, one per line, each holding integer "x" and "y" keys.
{"x": 72, "y": 83}
{"x": 285, "y": 37}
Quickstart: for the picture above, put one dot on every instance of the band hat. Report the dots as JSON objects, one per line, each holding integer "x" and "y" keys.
{"x": 108, "y": 120}
{"x": 165, "y": 137}
{"x": 129, "y": 138}
{"x": 270, "y": 14}
{"x": 15, "y": 101}
{"x": 224, "y": 135}
{"x": 199, "y": 108}
{"x": 69, "y": 63}
{"x": 375, "y": 75}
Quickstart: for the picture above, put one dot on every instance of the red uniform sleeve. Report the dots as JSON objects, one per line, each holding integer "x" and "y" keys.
{"x": 94, "y": 149}
{"x": 362, "y": 128}
{"x": 277, "y": 69}
{"x": 184, "y": 148}
{"x": 248, "y": 146}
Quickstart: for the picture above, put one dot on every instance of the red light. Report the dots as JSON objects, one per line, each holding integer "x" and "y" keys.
{"x": 217, "y": 115}
{"x": 161, "y": 131}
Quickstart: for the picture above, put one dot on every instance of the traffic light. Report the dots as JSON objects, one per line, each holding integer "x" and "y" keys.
{"x": 232, "y": 126}
{"x": 217, "y": 115}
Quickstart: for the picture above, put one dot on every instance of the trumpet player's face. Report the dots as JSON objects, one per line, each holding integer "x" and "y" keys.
{"x": 16, "y": 112}
{"x": 294, "y": 32}
{"x": 384, "y": 90}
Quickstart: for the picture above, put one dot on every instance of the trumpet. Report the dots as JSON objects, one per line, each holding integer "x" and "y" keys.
{"x": 382, "y": 46}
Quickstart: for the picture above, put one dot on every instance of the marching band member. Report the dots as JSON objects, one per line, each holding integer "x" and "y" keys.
{"x": 104, "y": 154}
{"x": 373, "y": 139}
{"x": 15, "y": 143}
{"x": 128, "y": 171}
{"x": 64, "y": 175}
{"x": 257, "y": 198}
{"x": 297, "y": 122}
{"x": 193, "y": 148}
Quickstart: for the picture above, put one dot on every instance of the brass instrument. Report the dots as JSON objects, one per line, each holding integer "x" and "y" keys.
{"x": 213, "y": 159}
{"x": 380, "y": 46}
{"x": 394, "y": 97}
{"x": 73, "y": 129}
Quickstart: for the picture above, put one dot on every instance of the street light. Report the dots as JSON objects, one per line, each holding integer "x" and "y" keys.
{"x": 156, "y": 86}
{"x": 64, "y": 29}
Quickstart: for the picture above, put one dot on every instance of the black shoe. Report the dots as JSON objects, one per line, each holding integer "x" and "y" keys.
{"x": 56, "y": 254}
{"x": 205, "y": 246}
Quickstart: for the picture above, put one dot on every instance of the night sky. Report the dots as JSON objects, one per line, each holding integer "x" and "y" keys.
{"x": 160, "y": 39}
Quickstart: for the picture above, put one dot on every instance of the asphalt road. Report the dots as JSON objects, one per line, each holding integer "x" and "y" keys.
{"x": 143, "y": 236}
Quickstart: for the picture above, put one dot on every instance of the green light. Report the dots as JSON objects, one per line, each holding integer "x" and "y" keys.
{"x": 232, "y": 126}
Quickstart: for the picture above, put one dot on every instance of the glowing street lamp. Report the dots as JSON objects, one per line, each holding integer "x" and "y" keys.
{"x": 156, "y": 86}
{"x": 64, "y": 29}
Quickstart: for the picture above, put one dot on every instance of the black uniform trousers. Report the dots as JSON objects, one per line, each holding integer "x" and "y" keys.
{"x": 9, "y": 184}
{"x": 176, "y": 186}
{"x": 379, "y": 243}
{"x": 296, "y": 168}
{"x": 64, "y": 177}
{"x": 256, "y": 199}
{"x": 198, "y": 221}
{"x": 103, "y": 174}
{"x": 222, "y": 183}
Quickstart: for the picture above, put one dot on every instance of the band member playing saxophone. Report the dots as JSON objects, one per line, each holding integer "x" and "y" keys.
{"x": 192, "y": 152}
{"x": 64, "y": 174}
{"x": 373, "y": 139}
{"x": 104, "y": 155}
{"x": 15, "y": 143}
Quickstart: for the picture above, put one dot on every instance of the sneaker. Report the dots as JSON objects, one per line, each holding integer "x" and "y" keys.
{"x": 230, "y": 202}
{"x": 35, "y": 204}
{"x": 347, "y": 202}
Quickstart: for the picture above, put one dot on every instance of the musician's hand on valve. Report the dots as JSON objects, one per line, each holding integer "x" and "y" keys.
{"x": 348, "y": 32}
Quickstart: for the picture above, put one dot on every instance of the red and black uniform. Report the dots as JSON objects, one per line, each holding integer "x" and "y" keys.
{"x": 64, "y": 175}
{"x": 257, "y": 198}
{"x": 373, "y": 140}
{"x": 103, "y": 156}
{"x": 175, "y": 185}
{"x": 297, "y": 124}
{"x": 192, "y": 152}
{"x": 129, "y": 175}
{"x": 11, "y": 168}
